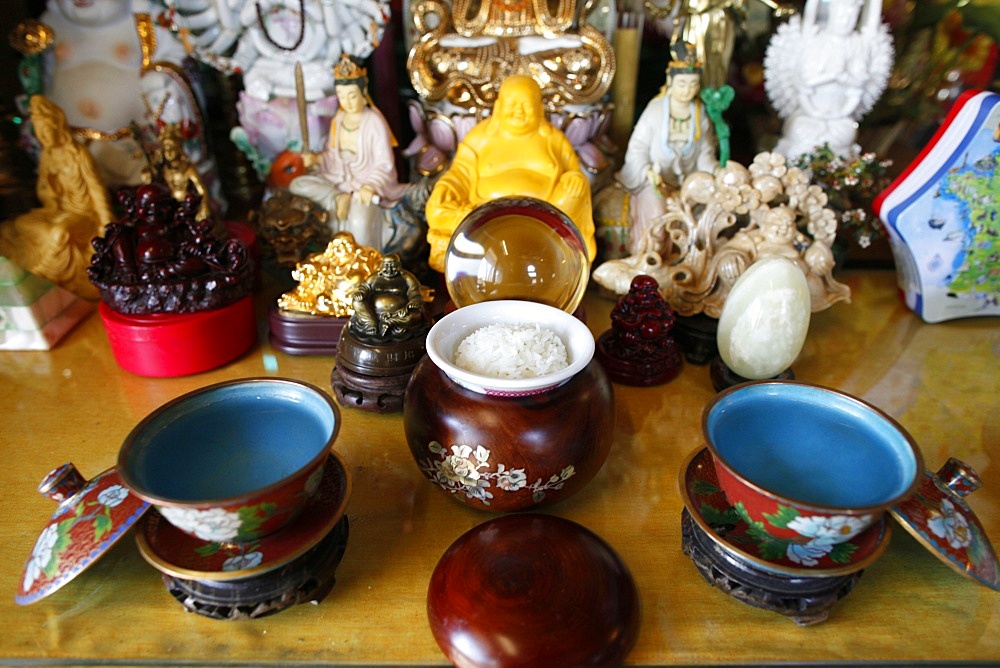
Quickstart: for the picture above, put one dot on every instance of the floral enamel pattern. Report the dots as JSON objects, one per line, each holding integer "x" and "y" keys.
{"x": 816, "y": 536}
{"x": 217, "y": 557}
{"x": 812, "y": 552}
{"x": 82, "y": 528}
{"x": 218, "y": 525}
{"x": 467, "y": 469}
{"x": 943, "y": 522}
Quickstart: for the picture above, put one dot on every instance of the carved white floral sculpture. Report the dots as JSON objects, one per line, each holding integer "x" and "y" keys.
{"x": 824, "y": 73}
{"x": 720, "y": 223}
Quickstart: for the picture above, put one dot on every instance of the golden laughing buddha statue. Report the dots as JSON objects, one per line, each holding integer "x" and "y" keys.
{"x": 516, "y": 152}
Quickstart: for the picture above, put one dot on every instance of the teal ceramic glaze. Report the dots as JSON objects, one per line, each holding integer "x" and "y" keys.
{"x": 812, "y": 445}
{"x": 233, "y": 461}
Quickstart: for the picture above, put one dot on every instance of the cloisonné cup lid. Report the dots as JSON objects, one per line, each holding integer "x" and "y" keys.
{"x": 940, "y": 519}
{"x": 91, "y": 517}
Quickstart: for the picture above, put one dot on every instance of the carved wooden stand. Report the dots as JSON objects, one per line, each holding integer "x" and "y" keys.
{"x": 308, "y": 578}
{"x": 722, "y": 376}
{"x": 304, "y": 334}
{"x": 803, "y": 599}
{"x": 373, "y": 377}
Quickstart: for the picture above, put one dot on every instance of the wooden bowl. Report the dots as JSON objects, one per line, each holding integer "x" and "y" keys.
{"x": 509, "y": 453}
{"x": 532, "y": 590}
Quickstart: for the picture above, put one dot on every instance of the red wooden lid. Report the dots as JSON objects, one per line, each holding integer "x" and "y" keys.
{"x": 532, "y": 590}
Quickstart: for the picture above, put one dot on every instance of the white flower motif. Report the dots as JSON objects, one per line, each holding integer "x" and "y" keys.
{"x": 459, "y": 470}
{"x": 215, "y": 524}
{"x": 243, "y": 561}
{"x": 512, "y": 480}
{"x": 41, "y": 554}
{"x": 312, "y": 484}
{"x": 772, "y": 164}
{"x": 834, "y": 529}
{"x": 808, "y": 554}
{"x": 112, "y": 496}
{"x": 482, "y": 456}
{"x": 950, "y": 525}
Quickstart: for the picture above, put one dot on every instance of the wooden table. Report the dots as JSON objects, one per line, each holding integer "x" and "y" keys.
{"x": 940, "y": 381}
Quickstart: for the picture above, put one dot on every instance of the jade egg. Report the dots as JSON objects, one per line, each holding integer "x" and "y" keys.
{"x": 765, "y": 319}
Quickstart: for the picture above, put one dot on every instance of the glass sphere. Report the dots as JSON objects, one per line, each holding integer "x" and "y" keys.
{"x": 517, "y": 248}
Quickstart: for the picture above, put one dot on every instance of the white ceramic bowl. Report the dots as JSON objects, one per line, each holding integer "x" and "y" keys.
{"x": 448, "y": 332}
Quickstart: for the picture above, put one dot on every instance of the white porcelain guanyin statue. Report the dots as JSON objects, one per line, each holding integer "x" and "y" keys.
{"x": 263, "y": 40}
{"x": 824, "y": 70}
{"x": 673, "y": 137}
{"x": 109, "y": 68}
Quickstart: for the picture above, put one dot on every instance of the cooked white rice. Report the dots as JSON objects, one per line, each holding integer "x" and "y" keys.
{"x": 512, "y": 351}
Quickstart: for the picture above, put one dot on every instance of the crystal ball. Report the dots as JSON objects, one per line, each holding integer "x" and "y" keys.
{"x": 517, "y": 248}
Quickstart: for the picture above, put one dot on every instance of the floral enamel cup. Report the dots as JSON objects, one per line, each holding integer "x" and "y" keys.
{"x": 234, "y": 461}
{"x": 807, "y": 462}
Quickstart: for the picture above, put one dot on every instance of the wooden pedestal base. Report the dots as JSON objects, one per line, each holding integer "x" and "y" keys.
{"x": 373, "y": 376}
{"x": 695, "y": 335}
{"x": 638, "y": 372}
{"x": 308, "y": 578}
{"x": 805, "y": 600}
{"x": 304, "y": 334}
{"x": 380, "y": 394}
{"x": 722, "y": 376}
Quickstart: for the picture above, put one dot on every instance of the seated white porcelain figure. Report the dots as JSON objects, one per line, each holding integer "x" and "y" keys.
{"x": 824, "y": 73}
{"x": 355, "y": 176}
{"x": 98, "y": 75}
{"x": 673, "y": 137}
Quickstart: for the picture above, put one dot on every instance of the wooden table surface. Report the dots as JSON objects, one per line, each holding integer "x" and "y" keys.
{"x": 74, "y": 404}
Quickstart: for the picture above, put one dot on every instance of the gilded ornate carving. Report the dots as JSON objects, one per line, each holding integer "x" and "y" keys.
{"x": 464, "y": 54}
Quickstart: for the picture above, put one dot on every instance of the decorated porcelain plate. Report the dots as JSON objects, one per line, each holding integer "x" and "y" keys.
{"x": 91, "y": 517}
{"x": 181, "y": 555}
{"x": 751, "y": 542}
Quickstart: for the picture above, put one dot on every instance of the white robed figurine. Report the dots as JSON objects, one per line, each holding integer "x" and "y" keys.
{"x": 355, "y": 178}
{"x": 824, "y": 70}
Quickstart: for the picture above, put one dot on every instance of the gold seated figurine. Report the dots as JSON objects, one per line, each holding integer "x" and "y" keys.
{"x": 514, "y": 153}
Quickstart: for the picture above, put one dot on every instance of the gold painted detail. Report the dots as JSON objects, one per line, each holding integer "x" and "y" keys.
{"x": 463, "y": 57}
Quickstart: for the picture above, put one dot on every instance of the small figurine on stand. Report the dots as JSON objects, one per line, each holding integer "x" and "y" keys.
{"x": 290, "y": 227}
{"x": 53, "y": 241}
{"x": 356, "y": 179}
{"x": 176, "y": 297}
{"x": 824, "y": 74}
{"x": 516, "y": 152}
{"x": 309, "y": 319}
{"x": 383, "y": 340}
{"x": 639, "y": 349}
{"x": 171, "y": 165}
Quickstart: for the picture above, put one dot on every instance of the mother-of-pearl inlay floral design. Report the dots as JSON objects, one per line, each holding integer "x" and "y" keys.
{"x": 468, "y": 470}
